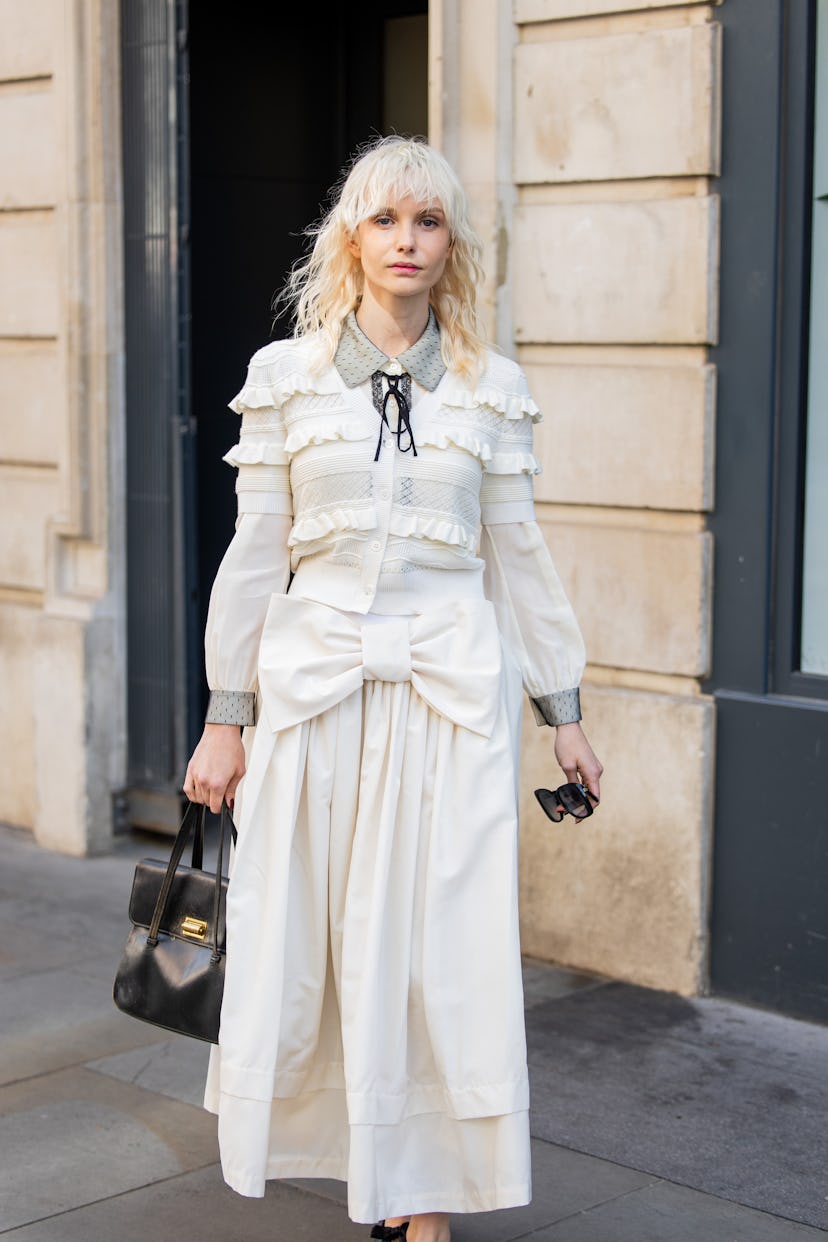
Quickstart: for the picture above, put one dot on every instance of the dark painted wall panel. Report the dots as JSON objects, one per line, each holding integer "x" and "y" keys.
{"x": 770, "y": 895}
{"x": 769, "y": 931}
{"x": 745, "y": 357}
{"x": 151, "y": 394}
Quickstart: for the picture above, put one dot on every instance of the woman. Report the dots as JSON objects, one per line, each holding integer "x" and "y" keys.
{"x": 372, "y": 1025}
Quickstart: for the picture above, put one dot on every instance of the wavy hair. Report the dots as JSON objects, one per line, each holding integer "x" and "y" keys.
{"x": 327, "y": 284}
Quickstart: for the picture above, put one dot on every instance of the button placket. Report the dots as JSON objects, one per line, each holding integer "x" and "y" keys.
{"x": 383, "y": 488}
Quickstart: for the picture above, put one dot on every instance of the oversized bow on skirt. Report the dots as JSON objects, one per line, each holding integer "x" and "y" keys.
{"x": 312, "y": 657}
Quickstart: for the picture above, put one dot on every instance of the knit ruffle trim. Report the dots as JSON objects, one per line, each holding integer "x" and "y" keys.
{"x": 405, "y": 525}
{"x": 273, "y": 395}
{"x": 408, "y": 525}
{"x": 254, "y": 454}
{"x": 308, "y": 431}
{"x": 478, "y": 445}
{"x": 511, "y": 404}
{"x": 319, "y": 525}
{"x": 321, "y": 429}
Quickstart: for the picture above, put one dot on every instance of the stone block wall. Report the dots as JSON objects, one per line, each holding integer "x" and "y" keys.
{"x": 61, "y": 598}
{"x": 587, "y": 133}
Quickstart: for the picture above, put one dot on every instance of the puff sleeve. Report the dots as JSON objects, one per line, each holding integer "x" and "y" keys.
{"x": 532, "y": 608}
{"x": 257, "y": 562}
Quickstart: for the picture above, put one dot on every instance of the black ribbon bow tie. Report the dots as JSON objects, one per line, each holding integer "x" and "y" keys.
{"x": 403, "y": 428}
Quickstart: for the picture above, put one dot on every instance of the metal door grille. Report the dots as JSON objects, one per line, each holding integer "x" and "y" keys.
{"x": 158, "y": 438}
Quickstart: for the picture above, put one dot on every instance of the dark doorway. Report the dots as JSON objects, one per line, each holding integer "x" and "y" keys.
{"x": 279, "y": 99}
{"x": 255, "y": 110}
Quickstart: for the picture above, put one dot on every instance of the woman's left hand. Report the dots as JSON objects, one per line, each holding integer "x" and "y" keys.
{"x": 577, "y": 758}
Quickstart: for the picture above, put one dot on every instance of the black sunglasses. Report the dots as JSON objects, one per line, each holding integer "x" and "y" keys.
{"x": 569, "y": 799}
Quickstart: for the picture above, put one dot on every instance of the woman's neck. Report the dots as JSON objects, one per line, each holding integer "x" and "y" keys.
{"x": 392, "y": 328}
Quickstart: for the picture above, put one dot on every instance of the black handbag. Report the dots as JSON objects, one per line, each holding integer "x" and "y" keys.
{"x": 172, "y": 970}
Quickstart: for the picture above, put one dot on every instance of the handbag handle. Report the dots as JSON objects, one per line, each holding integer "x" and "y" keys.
{"x": 197, "y": 856}
{"x": 195, "y": 814}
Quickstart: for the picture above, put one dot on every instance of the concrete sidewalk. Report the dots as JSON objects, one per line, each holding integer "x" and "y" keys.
{"x": 103, "y": 1137}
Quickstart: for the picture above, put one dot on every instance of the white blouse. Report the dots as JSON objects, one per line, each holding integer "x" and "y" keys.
{"x": 392, "y": 535}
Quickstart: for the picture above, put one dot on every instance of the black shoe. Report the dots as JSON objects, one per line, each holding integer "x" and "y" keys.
{"x": 390, "y": 1233}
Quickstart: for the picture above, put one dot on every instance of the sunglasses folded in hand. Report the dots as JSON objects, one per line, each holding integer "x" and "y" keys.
{"x": 570, "y": 799}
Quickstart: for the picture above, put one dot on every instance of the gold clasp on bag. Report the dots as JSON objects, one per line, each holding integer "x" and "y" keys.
{"x": 197, "y": 928}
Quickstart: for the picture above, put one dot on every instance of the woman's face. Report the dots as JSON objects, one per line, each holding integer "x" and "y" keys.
{"x": 403, "y": 249}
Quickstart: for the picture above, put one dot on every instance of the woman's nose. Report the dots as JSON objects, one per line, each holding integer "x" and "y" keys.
{"x": 405, "y": 237}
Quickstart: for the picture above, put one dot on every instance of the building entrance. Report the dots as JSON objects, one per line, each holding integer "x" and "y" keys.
{"x": 235, "y": 128}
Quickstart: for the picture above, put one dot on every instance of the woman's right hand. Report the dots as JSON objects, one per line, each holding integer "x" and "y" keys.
{"x": 216, "y": 767}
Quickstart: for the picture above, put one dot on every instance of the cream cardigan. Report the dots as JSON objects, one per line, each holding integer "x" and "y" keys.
{"x": 398, "y": 535}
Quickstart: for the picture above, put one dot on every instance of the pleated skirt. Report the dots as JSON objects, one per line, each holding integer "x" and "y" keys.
{"x": 372, "y": 1026}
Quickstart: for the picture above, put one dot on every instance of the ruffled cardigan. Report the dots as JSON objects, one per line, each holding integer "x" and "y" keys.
{"x": 393, "y": 535}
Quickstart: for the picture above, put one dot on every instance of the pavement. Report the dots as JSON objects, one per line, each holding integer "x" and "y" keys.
{"x": 655, "y": 1118}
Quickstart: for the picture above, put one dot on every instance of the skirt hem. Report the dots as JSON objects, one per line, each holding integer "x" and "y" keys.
{"x": 443, "y": 1201}
{"x": 365, "y": 1213}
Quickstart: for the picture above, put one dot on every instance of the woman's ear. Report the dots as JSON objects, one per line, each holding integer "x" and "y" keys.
{"x": 353, "y": 245}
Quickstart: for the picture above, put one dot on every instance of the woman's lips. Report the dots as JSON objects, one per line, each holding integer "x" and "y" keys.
{"x": 404, "y": 267}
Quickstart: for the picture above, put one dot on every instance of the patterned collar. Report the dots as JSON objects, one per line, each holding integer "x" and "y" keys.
{"x": 357, "y": 358}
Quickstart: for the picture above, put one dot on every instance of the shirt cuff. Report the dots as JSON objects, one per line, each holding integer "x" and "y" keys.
{"x": 233, "y": 707}
{"x": 559, "y": 707}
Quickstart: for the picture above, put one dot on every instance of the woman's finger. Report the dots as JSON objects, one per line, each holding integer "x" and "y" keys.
{"x": 590, "y": 770}
{"x": 230, "y": 792}
{"x": 215, "y": 796}
{"x": 200, "y": 791}
{"x": 591, "y": 779}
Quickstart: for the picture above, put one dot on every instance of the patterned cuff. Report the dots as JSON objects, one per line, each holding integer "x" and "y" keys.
{"x": 233, "y": 707}
{"x": 559, "y": 707}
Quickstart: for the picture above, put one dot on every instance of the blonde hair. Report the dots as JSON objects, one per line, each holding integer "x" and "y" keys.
{"x": 326, "y": 285}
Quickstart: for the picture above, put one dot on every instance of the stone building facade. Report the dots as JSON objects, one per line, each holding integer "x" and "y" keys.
{"x": 62, "y": 566}
{"x": 588, "y": 134}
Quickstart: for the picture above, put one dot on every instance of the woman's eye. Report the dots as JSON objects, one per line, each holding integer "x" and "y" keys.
{"x": 382, "y": 220}
{"x": 430, "y": 223}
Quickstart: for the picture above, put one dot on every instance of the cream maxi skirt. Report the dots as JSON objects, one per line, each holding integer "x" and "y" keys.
{"x": 372, "y": 1026}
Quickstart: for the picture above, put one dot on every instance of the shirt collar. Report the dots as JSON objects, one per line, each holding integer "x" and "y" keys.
{"x": 357, "y": 358}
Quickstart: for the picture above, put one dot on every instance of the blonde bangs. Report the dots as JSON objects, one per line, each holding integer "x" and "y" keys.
{"x": 384, "y": 176}
{"x": 327, "y": 285}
